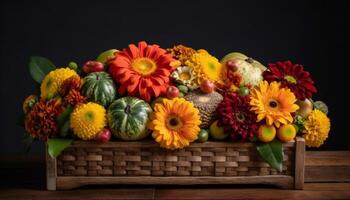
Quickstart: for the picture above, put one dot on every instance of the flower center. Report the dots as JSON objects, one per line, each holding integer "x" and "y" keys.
{"x": 240, "y": 117}
{"x": 144, "y": 66}
{"x": 273, "y": 104}
{"x": 185, "y": 76}
{"x": 212, "y": 66}
{"x": 89, "y": 116}
{"x": 290, "y": 79}
{"x": 174, "y": 122}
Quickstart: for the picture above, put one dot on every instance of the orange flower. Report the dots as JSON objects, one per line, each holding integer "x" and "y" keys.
{"x": 74, "y": 98}
{"x": 181, "y": 53}
{"x": 41, "y": 120}
{"x": 141, "y": 71}
{"x": 72, "y": 83}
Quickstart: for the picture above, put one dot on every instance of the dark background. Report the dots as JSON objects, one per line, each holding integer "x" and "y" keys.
{"x": 312, "y": 33}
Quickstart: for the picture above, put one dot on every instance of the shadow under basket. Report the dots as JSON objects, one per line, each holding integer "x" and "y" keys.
{"x": 144, "y": 162}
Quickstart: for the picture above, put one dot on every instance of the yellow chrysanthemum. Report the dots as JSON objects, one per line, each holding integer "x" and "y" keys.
{"x": 272, "y": 103}
{"x": 205, "y": 66}
{"x": 53, "y": 80}
{"x": 317, "y": 126}
{"x": 175, "y": 123}
{"x": 87, "y": 120}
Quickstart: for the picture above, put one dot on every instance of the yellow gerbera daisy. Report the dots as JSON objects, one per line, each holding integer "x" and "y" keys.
{"x": 87, "y": 120}
{"x": 53, "y": 81}
{"x": 175, "y": 123}
{"x": 273, "y": 103}
{"x": 205, "y": 66}
{"x": 317, "y": 126}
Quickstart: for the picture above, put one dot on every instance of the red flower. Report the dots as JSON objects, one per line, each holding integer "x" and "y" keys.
{"x": 142, "y": 70}
{"x": 293, "y": 77}
{"x": 235, "y": 116}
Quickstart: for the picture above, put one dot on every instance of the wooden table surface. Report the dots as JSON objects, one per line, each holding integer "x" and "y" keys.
{"x": 327, "y": 176}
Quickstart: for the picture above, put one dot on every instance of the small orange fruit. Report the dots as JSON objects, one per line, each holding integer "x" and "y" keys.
{"x": 217, "y": 132}
{"x": 286, "y": 132}
{"x": 266, "y": 133}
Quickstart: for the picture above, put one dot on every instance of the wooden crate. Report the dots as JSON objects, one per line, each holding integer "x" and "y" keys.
{"x": 144, "y": 162}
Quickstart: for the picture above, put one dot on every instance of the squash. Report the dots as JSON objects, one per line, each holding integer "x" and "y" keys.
{"x": 128, "y": 118}
{"x": 99, "y": 88}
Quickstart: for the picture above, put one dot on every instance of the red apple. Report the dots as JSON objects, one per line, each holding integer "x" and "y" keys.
{"x": 232, "y": 64}
{"x": 172, "y": 92}
{"x": 104, "y": 135}
{"x": 93, "y": 66}
{"x": 207, "y": 86}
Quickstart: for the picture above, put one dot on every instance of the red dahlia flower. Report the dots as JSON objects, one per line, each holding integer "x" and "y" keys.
{"x": 291, "y": 76}
{"x": 235, "y": 116}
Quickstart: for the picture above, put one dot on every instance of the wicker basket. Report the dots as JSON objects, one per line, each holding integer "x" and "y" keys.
{"x": 144, "y": 162}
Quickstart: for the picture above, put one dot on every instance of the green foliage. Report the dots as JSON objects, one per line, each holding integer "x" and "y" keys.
{"x": 39, "y": 67}
{"x": 272, "y": 153}
{"x": 56, "y": 146}
{"x": 63, "y": 121}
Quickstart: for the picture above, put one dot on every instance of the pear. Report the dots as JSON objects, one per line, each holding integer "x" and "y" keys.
{"x": 305, "y": 108}
{"x": 256, "y": 64}
{"x": 233, "y": 56}
{"x": 241, "y": 56}
{"x": 106, "y": 55}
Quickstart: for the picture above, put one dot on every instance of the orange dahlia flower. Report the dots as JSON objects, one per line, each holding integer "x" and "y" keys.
{"x": 142, "y": 71}
{"x": 41, "y": 120}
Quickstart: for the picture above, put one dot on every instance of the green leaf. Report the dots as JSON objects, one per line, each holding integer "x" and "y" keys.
{"x": 272, "y": 153}
{"x": 63, "y": 121}
{"x": 64, "y": 129}
{"x": 39, "y": 67}
{"x": 56, "y": 146}
{"x": 27, "y": 140}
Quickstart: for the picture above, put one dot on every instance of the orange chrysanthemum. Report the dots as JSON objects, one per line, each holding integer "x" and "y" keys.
{"x": 74, "y": 98}
{"x": 72, "y": 83}
{"x": 142, "y": 71}
{"x": 181, "y": 53}
{"x": 41, "y": 120}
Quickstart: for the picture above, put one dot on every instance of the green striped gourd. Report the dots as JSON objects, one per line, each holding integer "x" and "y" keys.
{"x": 128, "y": 118}
{"x": 99, "y": 87}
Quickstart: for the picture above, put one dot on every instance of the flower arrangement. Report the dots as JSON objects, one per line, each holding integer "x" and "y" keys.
{"x": 176, "y": 96}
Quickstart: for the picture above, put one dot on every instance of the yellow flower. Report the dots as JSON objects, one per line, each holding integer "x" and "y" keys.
{"x": 205, "y": 66}
{"x": 272, "y": 103}
{"x": 175, "y": 123}
{"x": 317, "y": 126}
{"x": 53, "y": 81}
{"x": 87, "y": 120}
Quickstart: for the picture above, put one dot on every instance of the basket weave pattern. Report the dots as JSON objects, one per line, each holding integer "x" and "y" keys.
{"x": 146, "y": 158}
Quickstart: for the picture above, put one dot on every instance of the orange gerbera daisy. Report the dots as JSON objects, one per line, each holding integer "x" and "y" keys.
{"x": 273, "y": 103}
{"x": 142, "y": 71}
{"x": 175, "y": 123}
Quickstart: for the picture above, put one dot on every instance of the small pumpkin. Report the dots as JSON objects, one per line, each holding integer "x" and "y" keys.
{"x": 99, "y": 88}
{"x": 128, "y": 118}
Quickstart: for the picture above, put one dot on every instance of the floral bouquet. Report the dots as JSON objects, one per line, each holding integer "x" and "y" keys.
{"x": 176, "y": 96}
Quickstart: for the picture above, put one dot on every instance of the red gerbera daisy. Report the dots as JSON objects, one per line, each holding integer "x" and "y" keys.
{"x": 293, "y": 77}
{"x": 142, "y": 71}
{"x": 236, "y": 117}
